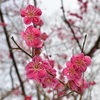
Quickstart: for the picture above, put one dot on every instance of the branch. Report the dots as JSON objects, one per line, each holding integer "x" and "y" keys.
{"x": 96, "y": 46}
{"x": 84, "y": 43}
{"x": 35, "y": 3}
{"x": 20, "y": 47}
{"x": 9, "y": 92}
{"x": 11, "y": 53}
{"x": 66, "y": 21}
{"x": 12, "y": 80}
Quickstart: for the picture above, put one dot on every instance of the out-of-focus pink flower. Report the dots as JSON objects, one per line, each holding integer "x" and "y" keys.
{"x": 34, "y": 69}
{"x": 40, "y": 23}
{"x": 92, "y": 83}
{"x": 59, "y": 87}
{"x": 16, "y": 91}
{"x": 59, "y": 66}
{"x": 71, "y": 72}
{"x": 32, "y": 37}
{"x": 31, "y": 14}
{"x": 3, "y": 24}
{"x": 52, "y": 63}
{"x": 28, "y": 98}
{"x": 81, "y": 62}
{"x": 44, "y": 36}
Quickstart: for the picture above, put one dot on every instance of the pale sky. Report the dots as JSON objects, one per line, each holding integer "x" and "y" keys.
{"x": 52, "y": 5}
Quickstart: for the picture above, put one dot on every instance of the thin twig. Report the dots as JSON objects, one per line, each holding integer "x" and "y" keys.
{"x": 81, "y": 97}
{"x": 20, "y": 47}
{"x": 12, "y": 81}
{"x": 14, "y": 48}
{"x": 66, "y": 21}
{"x": 11, "y": 53}
{"x": 35, "y": 3}
{"x": 84, "y": 43}
{"x": 9, "y": 92}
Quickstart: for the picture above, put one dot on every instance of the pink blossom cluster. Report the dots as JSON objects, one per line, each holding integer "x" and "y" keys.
{"x": 32, "y": 36}
{"x": 41, "y": 70}
{"x": 74, "y": 72}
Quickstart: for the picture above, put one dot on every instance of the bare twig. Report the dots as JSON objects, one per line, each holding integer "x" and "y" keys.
{"x": 80, "y": 97}
{"x": 12, "y": 81}
{"x": 95, "y": 46}
{"x": 84, "y": 43}
{"x": 65, "y": 20}
{"x": 20, "y": 47}
{"x": 9, "y": 92}
{"x": 11, "y": 52}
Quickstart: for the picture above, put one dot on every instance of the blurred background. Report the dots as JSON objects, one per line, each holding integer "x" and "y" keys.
{"x": 67, "y": 23}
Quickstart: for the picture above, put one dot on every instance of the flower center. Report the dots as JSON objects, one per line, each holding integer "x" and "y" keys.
{"x": 72, "y": 71}
{"x": 30, "y": 13}
{"x": 37, "y": 66}
{"x": 29, "y": 37}
{"x": 79, "y": 62}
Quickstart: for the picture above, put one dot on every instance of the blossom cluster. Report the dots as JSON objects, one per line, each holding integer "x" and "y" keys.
{"x": 38, "y": 69}
{"x": 32, "y": 36}
{"x": 74, "y": 72}
{"x": 41, "y": 70}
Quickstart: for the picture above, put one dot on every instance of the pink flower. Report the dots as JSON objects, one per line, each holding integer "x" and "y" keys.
{"x": 79, "y": 85}
{"x": 46, "y": 64}
{"x": 72, "y": 85}
{"x": 81, "y": 82}
{"x": 92, "y": 83}
{"x": 59, "y": 87}
{"x": 31, "y": 14}
{"x": 3, "y": 24}
{"x": 71, "y": 72}
{"x": 32, "y": 37}
{"x": 81, "y": 62}
{"x": 44, "y": 36}
{"x": 34, "y": 69}
{"x": 49, "y": 81}
{"x": 28, "y": 98}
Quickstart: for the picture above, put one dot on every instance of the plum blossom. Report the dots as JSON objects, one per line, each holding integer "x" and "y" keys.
{"x": 49, "y": 81}
{"x": 32, "y": 37}
{"x": 71, "y": 72}
{"x": 49, "y": 67}
{"x": 38, "y": 69}
{"x": 28, "y": 98}
{"x": 31, "y": 14}
{"x": 74, "y": 70}
{"x": 81, "y": 62}
{"x": 34, "y": 69}
{"x": 78, "y": 85}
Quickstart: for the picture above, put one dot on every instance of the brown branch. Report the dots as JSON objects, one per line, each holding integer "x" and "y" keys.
{"x": 38, "y": 92}
{"x": 20, "y": 47}
{"x": 80, "y": 97}
{"x": 35, "y": 3}
{"x": 66, "y": 21}
{"x": 11, "y": 52}
{"x": 96, "y": 46}
{"x": 12, "y": 80}
{"x": 84, "y": 43}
